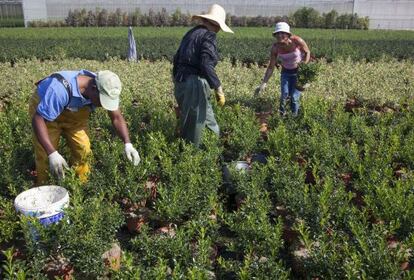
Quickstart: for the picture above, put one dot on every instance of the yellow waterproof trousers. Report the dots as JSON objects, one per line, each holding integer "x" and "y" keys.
{"x": 74, "y": 127}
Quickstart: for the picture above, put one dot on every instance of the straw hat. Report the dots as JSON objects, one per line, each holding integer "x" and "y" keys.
{"x": 217, "y": 14}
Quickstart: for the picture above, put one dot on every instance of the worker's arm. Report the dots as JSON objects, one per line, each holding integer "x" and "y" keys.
{"x": 272, "y": 64}
{"x": 269, "y": 70}
{"x": 40, "y": 129}
{"x": 304, "y": 48}
{"x": 119, "y": 124}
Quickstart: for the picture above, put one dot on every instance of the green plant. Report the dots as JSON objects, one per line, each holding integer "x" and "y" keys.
{"x": 13, "y": 269}
{"x": 8, "y": 220}
{"x": 307, "y": 73}
{"x": 343, "y": 177}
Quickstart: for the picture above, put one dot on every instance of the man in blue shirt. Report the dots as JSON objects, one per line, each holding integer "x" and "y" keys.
{"x": 61, "y": 105}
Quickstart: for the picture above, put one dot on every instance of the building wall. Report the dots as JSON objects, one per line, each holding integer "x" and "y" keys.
{"x": 10, "y": 9}
{"x": 11, "y": 13}
{"x": 387, "y": 14}
{"x": 58, "y": 9}
{"x": 390, "y": 14}
{"x": 34, "y": 10}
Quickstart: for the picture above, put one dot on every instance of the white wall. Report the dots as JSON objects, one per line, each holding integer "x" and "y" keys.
{"x": 34, "y": 10}
{"x": 387, "y": 14}
{"x": 58, "y": 9}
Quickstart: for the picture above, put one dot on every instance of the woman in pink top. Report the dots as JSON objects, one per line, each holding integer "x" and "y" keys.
{"x": 289, "y": 50}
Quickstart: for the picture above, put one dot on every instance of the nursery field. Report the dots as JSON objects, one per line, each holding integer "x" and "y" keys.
{"x": 330, "y": 194}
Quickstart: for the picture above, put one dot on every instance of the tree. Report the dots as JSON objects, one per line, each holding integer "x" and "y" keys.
{"x": 344, "y": 21}
{"x": 116, "y": 18}
{"x": 77, "y": 18}
{"x": 307, "y": 18}
{"x": 91, "y": 19}
{"x": 163, "y": 18}
{"x": 330, "y": 19}
{"x": 70, "y": 19}
{"x": 136, "y": 17}
{"x": 176, "y": 17}
{"x": 152, "y": 18}
{"x": 126, "y": 20}
{"x": 363, "y": 23}
{"x": 103, "y": 18}
{"x": 187, "y": 18}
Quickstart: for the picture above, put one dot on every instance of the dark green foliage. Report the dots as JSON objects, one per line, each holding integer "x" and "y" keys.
{"x": 336, "y": 183}
{"x": 247, "y": 45}
{"x": 308, "y": 73}
{"x": 239, "y": 132}
{"x": 85, "y": 233}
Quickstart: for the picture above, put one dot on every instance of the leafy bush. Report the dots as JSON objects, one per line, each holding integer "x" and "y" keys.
{"x": 248, "y": 45}
{"x": 94, "y": 220}
{"x": 307, "y": 73}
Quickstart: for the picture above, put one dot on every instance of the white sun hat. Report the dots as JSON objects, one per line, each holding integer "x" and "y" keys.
{"x": 282, "y": 27}
{"x": 217, "y": 14}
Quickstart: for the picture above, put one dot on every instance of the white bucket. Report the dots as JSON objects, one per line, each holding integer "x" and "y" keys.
{"x": 241, "y": 166}
{"x": 46, "y": 203}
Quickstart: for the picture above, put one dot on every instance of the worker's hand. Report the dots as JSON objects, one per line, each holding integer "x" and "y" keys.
{"x": 221, "y": 100}
{"x": 57, "y": 164}
{"x": 132, "y": 154}
{"x": 260, "y": 89}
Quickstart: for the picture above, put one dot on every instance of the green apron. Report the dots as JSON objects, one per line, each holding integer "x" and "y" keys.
{"x": 193, "y": 98}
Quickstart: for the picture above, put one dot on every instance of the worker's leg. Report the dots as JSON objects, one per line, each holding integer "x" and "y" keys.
{"x": 75, "y": 131}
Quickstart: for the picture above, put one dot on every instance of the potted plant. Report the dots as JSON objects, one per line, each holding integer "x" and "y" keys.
{"x": 307, "y": 73}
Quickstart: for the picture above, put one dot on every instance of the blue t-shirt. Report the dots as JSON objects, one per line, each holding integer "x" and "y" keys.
{"x": 54, "y": 96}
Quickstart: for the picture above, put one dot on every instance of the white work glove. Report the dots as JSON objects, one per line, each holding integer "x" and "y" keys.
{"x": 57, "y": 164}
{"x": 132, "y": 154}
{"x": 260, "y": 88}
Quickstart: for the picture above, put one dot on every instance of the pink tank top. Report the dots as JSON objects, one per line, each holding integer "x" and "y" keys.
{"x": 290, "y": 60}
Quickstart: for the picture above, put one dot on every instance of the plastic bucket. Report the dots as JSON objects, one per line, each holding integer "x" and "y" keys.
{"x": 241, "y": 166}
{"x": 45, "y": 203}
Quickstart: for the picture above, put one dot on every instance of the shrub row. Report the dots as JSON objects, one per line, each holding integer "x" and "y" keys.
{"x": 249, "y": 45}
{"x": 303, "y": 18}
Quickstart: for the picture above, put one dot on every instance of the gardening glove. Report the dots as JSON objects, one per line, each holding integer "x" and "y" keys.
{"x": 57, "y": 164}
{"x": 221, "y": 100}
{"x": 260, "y": 88}
{"x": 132, "y": 154}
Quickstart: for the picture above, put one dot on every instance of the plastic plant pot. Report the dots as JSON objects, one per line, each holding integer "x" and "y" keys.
{"x": 45, "y": 203}
{"x": 241, "y": 166}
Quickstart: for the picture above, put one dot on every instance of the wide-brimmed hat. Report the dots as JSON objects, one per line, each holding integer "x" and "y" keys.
{"x": 282, "y": 27}
{"x": 109, "y": 86}
{"x": 217, "y": 14}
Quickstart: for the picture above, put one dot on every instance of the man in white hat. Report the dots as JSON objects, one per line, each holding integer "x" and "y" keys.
{"x": 290, "y": 50}
{"x": 61, "y": 105}
{"x": 195, "y": 76}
